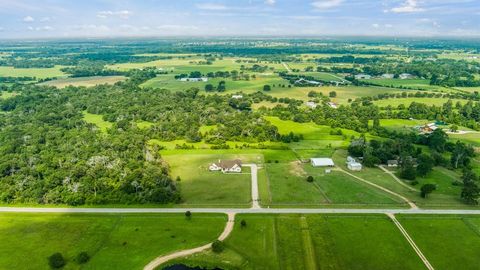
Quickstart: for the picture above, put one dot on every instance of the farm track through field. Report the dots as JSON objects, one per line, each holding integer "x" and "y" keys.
{"x": 411, "y": 242}
{"x": 396, "y": 178}
{"x": 408, "y": 201}
{"x": 164, "y": 259}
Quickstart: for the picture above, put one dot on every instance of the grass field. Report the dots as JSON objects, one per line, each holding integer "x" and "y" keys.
{"x": 407, "y": 101}
{"x": 288, "y": 186}
{"x": 97, "y": 120}
{"x": 39, "y": 73}
{"x": 472, "y": 138}
{"x": 253, "y": 85}
{"x": 5, "y": 95}
{"x": 84, "y": 81}
{"x": 448, "y": 242}
{"x": 113, "y": 241}
{"x": 313, "y": 242}
{"x": 199, "y": 186}
{"x": 409, "y": 83}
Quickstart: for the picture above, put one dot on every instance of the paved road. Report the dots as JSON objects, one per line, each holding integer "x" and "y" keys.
{"x": 242, "y": 210}
{"x": 255, "y": 197}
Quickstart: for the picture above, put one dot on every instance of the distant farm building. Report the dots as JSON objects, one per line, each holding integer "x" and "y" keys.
{"x": 237, "y": 96}
{"x": 428, "y": 128}
{"x": 203, "y": 79}
{"x": 227, "y": 166}
{"x": 392, "y": 163}
{"x": 311, "y": 104}
{"x": 322, "y": 162}
{"x": 303, "y": 81}
{"x": 405, "y": 76}
{"x": 388, "y": 76}
{"x": 333, "y": 105}
{"x": 353, "y": 165}
{"x": 363, "y": 77}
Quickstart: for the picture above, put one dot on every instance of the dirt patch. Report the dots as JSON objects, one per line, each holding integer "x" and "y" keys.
{"x": 296, "y": 168}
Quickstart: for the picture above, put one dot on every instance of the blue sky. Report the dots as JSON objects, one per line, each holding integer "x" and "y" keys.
{"x": 114, "y": 18}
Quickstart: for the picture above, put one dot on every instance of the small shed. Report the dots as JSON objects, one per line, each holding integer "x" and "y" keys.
{"x": 322, "y": 162}
{"x": 392, "y": 163}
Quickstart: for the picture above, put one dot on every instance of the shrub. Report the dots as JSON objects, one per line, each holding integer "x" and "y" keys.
{"x": 188, "y": 214}
{"x": 310, "y": 179}
{"x": 218, "y": 246}
{"x": 56, "y": 261}
{"x": 243, "y": 223}
{"x": 83, "y": 257}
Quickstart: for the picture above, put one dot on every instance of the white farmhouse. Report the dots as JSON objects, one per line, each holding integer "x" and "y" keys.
{"x": 227, "y": 166}
{"x": 322, "y": 162}
{"x": 311, "y": 104}
{"x": 237, "y": 96}
{"x": 202, "y": 79}
{"x": 353, "y": 165}
{"x": 388, "y": 76}
{"x": 405, "y": 76}
{"x": 363, "y": 77}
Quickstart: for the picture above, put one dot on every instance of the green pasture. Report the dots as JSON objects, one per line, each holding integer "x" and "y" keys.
{"x": 409, "y": 83}
{"x": 5, "y": 94}
{"x": 394, "y": 102}
{"x": 113, "y": 241}
{"x": 39, "y": 73}
{"x": 97, "y": 120}
{"x": 448, "y": 242}
{"x": 312, "y": 242}
{"x": 84, "y": 81}
{"x": 199, "y": 186}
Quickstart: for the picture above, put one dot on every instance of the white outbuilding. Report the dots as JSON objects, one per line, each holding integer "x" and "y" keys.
{"x": 322, "y": 162}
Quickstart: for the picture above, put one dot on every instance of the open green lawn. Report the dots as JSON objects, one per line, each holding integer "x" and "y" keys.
{"x": 97, "y": 120}
{"x": 199, "y": 186}
{"x": 409, "y": 83}
{"x": 84, "y": 81}
{"x": 288, "y": 186}
{"x": 5, "y": 94}
{"x": 39, "y": 73}
{"x": 232, "y": 86}
{"x": 313, "y": 242}
{"x": 407, "y": 101}
{"x": 472, "y": 138}
{"x": 448, "y": 242}
{"x": 113, "y": 241}
{"x": 401, "y": 124}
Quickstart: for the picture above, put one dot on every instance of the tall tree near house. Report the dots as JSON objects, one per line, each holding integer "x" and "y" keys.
{"x": 461, "y": 155}
{"x": 425, "y": 164}
{"x": 471, "y": 190}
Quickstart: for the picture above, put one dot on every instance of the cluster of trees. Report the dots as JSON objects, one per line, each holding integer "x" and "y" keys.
{"x": 221, "y": 87}
{"x": 414, "y": 162}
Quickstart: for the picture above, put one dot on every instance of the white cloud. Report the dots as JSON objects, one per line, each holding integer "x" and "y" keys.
{"x": 176, "y": 27}
{"x": 124, "y": 14}
{"x": 409, "y": 6}
{"x": 40, "y": 28}
{"x": 388, "y": 25}
{"x": 92, "y": 27}
{"x": 326, "y": 4}
{"x": 270, "y": 2}
{"x": 45, "y": 19}
{"x": 211, "y": 6}
{"x": 28, "y": 19}
{"x": 375, "y": 25}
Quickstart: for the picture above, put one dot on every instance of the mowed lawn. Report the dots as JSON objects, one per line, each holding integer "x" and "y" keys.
{"x": 333, "y": 242}
{"x": 201, "y": 187}
{"x": 84, "y": 81}
{"x": 394, "y": 102}
{"x": 113, "y": 241}
{"x": 448, "y": 242}
{"x": 39, "y": 73}
{"x": 288, "y": 186}
{"x": 253, "y": 85}
{"x": 97, "y": 119}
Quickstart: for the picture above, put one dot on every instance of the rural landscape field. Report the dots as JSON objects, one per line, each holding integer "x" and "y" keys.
{"x": 226, "y": 143}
